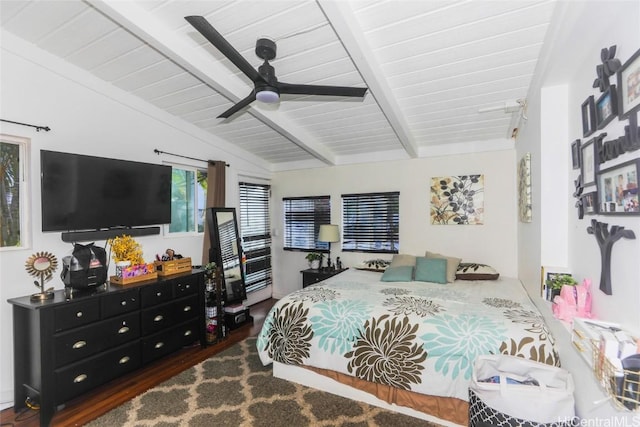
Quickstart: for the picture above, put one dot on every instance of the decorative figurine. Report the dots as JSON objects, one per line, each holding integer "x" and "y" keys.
{"x": 41, "y": 264}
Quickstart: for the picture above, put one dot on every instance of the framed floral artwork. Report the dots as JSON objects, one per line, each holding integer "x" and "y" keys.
{"x": 457, "y": 200}
{"x": 524, "y": 188}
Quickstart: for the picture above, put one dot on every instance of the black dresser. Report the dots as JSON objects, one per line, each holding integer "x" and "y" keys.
{"x": 68, "y": 345}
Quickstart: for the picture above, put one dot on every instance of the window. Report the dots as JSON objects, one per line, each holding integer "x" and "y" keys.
{"x": 13, "y": 192}
{"x": 188, "y": 199}
{"x": 370, "y": 222}
{"x": 255, "y": 229}
{"x": 302, "y": 219}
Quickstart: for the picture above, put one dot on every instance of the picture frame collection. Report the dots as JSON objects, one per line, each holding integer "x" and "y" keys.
{"x": 616, "y": 187}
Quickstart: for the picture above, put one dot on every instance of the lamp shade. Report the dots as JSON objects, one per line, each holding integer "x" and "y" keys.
{"x": 329, "y": 233}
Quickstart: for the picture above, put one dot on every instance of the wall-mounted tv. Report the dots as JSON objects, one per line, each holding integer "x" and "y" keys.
{"x": 82, "y": 192}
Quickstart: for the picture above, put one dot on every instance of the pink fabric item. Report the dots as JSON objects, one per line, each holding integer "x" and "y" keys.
{"x": 573, "y": 301}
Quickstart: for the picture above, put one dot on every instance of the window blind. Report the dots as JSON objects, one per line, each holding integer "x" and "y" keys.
{"x": 256, "y": 234}
{"x": 371, "y": 222}
{"x": 302, "y": 219}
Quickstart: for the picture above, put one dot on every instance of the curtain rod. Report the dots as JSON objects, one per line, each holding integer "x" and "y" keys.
{"x": 38, "y": 128}
{"x": 158, "y": 152}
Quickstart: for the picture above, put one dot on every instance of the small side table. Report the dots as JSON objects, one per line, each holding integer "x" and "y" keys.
{"x": 311, "y": 276}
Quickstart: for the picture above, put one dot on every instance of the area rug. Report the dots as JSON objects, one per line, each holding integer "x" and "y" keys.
{"x": 232, "y": 388}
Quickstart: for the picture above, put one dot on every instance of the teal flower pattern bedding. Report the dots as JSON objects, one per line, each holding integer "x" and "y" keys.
{"x": 417, "y": 336}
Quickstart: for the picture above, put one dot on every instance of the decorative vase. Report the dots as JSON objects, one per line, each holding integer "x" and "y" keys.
{"x": 315, "y": 264}
{"x": 120, "y": 266}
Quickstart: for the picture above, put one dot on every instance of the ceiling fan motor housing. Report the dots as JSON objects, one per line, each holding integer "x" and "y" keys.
{"x": 266, "y": 49}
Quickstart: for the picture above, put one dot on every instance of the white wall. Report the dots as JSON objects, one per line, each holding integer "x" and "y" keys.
{"x": 493, "y": 243}
{"x": 562, "y": 83}
{"x": 84, "y": 120}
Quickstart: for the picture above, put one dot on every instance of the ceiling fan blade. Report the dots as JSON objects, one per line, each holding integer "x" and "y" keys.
{"x": 215, "y": 38}
{"x": 239, "y": 106}
{"x": 295, "y": 89}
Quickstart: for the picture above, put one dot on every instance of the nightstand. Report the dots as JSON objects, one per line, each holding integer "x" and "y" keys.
{"x": 311, "y": 276}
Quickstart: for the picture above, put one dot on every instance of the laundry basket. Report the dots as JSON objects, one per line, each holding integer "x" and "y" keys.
{"x": 512, "y": 391}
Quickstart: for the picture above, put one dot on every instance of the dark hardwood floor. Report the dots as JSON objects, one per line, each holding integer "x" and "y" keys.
{"x": 101, "y": 400}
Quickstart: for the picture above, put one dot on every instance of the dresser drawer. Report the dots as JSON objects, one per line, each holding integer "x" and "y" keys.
{"x": 121, "y": 360}
{"x": 73, "y": 380}
{"x": 188, "y": 333}
{"x": 85, "y": 341}
{"x": 156, "y": 294}
{"x": 156, "y": 318}
{"x": 186, "y": 285}
{"x": 76, "y": 314}
{"x": 160, "y": 344}
{"x": 120, "y": 303}
{"x": 186, "y": 308}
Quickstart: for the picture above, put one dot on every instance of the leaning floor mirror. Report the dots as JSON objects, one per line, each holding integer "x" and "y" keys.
{"x": 226, "y": 251}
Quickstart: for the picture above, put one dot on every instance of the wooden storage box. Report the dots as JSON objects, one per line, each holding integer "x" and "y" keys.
{"x": 167, "y": 268}
{"x": 128, "y": 280}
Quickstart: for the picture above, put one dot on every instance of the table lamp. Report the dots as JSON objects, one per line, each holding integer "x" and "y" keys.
{"x": 329, "y": 233}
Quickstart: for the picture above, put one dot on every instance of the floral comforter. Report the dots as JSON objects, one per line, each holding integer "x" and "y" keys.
{"x": 417, "y": 336}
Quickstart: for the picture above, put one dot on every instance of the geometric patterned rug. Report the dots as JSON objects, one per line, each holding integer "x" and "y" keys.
{"x": 232, "y": 388}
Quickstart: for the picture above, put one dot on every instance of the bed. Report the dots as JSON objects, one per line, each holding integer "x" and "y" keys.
{"x": 408, "y": 346}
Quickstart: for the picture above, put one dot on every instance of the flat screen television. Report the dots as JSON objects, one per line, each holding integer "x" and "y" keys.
{"x": 82, "y": 192}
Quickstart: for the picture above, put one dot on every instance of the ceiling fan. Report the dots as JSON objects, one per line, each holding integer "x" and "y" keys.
{"x": 267, "y": 88}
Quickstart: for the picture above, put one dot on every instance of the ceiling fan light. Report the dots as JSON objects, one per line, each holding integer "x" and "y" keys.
{"x": 268, "y": 96}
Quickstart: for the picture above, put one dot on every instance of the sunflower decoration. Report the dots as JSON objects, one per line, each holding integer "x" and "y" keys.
{"x": 42, "y": 265}
{"x": 125, "y": 248}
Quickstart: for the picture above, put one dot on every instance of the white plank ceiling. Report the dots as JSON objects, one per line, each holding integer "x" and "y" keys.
{"x": 430, "y": 66}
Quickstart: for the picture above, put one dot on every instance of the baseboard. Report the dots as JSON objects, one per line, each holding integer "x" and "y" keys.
{"x": 85, "y": 236}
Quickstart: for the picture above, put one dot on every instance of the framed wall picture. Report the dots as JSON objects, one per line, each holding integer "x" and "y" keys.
{"x": 588, "y": 116}
{"x": 618, "y": 189}
{"x": 524, "y": 188}
{"x": 606, "y": 107}
{"x": 590, "y": 203}
{"x": 575, "y": 154}
{"x": 629, "y": 86}
{"x": 588, "y": 162}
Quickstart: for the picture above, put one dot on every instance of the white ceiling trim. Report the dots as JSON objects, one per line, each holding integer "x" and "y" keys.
{"x": 344, "y": 22}
{"x": 143, "y": 25}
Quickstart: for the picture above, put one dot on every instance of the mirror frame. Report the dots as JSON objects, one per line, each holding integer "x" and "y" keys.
{"x": 215, "y": 252}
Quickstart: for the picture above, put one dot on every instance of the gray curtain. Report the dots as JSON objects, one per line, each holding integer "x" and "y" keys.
{"x": 215, "y": 198}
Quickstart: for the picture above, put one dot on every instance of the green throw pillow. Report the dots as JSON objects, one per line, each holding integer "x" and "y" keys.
{"x": 398, "y": 274}
{"x": 431, "y": 270}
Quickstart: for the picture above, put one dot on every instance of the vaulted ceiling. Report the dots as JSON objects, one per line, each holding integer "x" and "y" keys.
{"x": 443, "y": 76}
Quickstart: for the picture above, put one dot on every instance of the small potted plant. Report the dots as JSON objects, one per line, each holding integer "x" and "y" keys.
{"x": 315, "y": 259}
{"x": 556, "y": 283}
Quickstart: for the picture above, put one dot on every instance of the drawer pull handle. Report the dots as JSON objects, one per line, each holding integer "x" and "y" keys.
{"x": 578, "y": 333}
{"x": 124, "y": 360}
{"x": 80, "y": 378}
{"x": 159, "y": 294}
{"x": 123, "y": 330}
{"x": 79, "y": 314}
{"x": 187, "y": 333}
{"x": 158, "y": 318}
{"x": 578, "y": 347}
{"x": 187, "y": 308}
{"x": 123, "y": 303}
{"x": 79, "y": 344}
{"x": 159, "y": 345}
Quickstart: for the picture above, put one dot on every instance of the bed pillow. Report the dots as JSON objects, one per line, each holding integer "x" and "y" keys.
{"x": 400, "y": 260}
{"x": 473, "y": 271}
{"x": 403, "y": 273}
{"x": 452, "y": 264}
{"x": 431, "y": 270}
{"x": 379, "y": 265}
